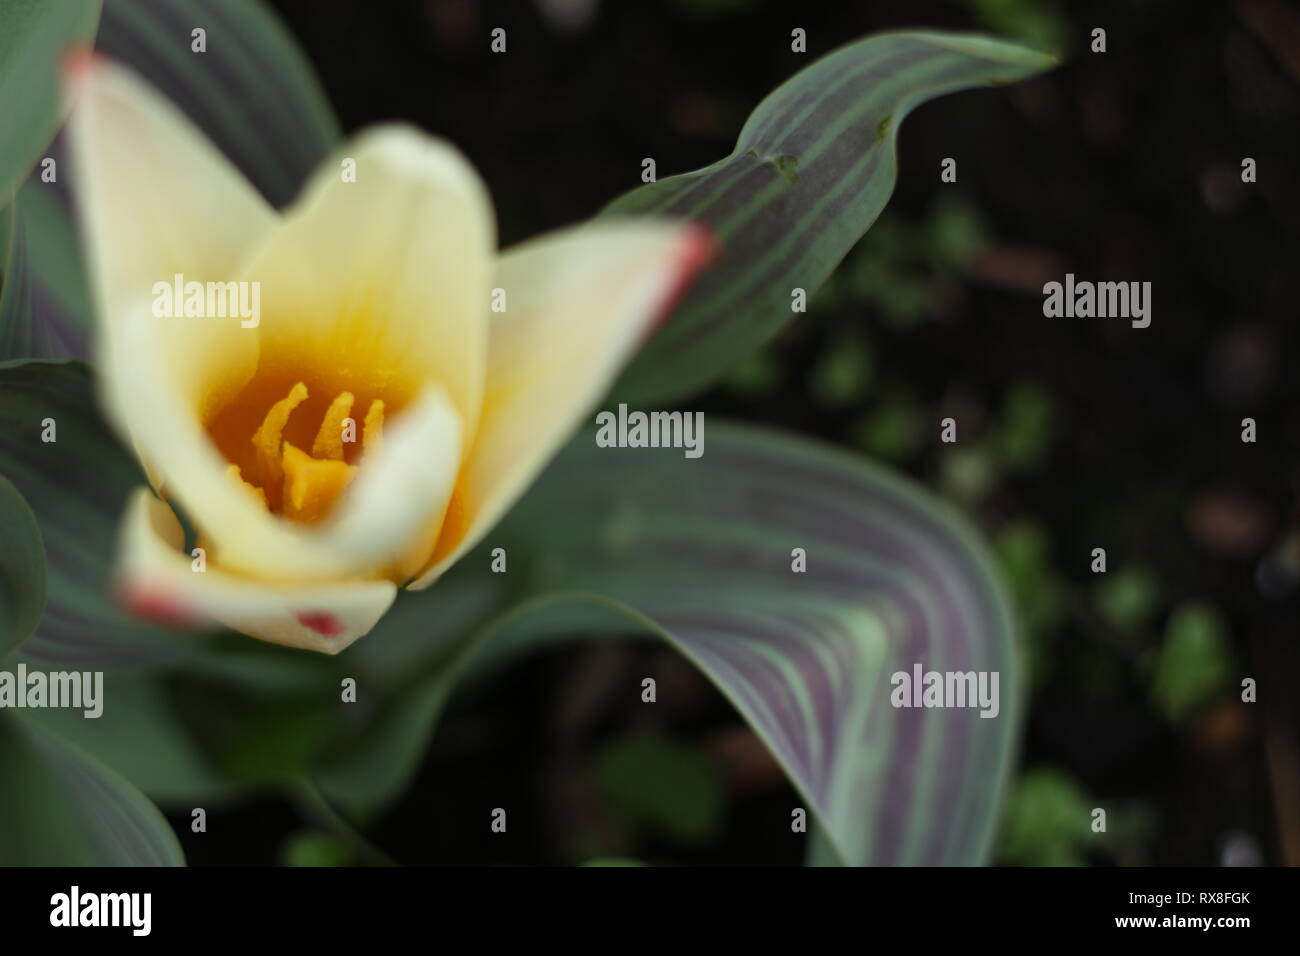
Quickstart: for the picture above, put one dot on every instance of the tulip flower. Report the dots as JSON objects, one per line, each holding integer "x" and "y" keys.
{"x": 401, "y": 387}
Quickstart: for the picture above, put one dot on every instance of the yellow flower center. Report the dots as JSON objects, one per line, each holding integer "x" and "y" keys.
{"x": 265, "y": 438}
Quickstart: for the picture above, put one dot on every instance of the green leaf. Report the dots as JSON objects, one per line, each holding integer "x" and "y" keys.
{"x": 1194, "y": 661}
{"x": 406, "y": 670}
{"x": 22, "y": 569}
{"x": 1048, "y": 823}
{"x": 842, "y": 373}
{"x": 892, "y": 431}
{"x": 34, "y": 36}
{"x": 61, "y": 807}
{"x": 813, "y": 167}
{"x": 1039, "y": 23}
{"x": 259, "y": 739}
{"x": 76, "y": 484}
{"x": 44, "y": 303}
{"x": 374, "y": 767}
{"x": 955, "y": 233}
{"x": 665, "y": 786}
{"x": 1025, "y": 434}
{"x": 760, "y": 374}
{"x": 1127, "y": 597}
{"x": 142, "y": 736}
{"x": 313, "y": 848}
{"x": 253, "y": 92}
{"x": 698, "y": 552}
{"x": 275, "y": 142}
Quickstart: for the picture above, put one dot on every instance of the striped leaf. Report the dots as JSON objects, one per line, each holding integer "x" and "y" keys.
{"x": 703, "y": 549}
{"x": 699, "y": 553}
{"x": 44, "y": 311}
{"x": 143, "y": 736}
{"x": 813, "y": 167}
{"x": 61, "y": 807}
{"x": 252, "y": 93}
{"x": 76, "y": 484}
{"x": 34, "y": 35}
{"x": 22, "y": 569}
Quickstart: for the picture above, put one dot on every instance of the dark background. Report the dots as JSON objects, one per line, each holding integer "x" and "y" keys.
{"x": 1075, "y": 433}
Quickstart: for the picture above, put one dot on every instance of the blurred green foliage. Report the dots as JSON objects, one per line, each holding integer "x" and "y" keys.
{"x": 1194, "y": 661}
{"x": 1023, "y": 551}
{"x": 1126, "y": 598}
{"x": 667, "y": 787}
{"x": 890, "y": 431}
{"x": 1023, "y": 434}
{"x": 1037, "y": 23}
{"x": 1048, "y": 822}
{"x": 842, "y": 374}
{"x": 759, "y": 374}
{"x": 313, "y": 848}
{"x": 901, "y": 268}
{"x": 967, "y": 472}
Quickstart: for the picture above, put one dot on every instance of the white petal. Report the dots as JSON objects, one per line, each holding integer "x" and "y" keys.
{"x": 579, "y": 302}
{"x": 157, "y": 200}
{"x": 394, "y": 510}
{"x": 158, "y": 578}
{"x": 381, "y": 285}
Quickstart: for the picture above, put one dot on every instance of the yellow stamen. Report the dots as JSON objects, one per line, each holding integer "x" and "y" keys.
{"x": 329, "y": 440}
{"x": 311, "y": 485}
{"x": 289, "y": 481}
{"x": 234, "y": 473}
{"x": 269, "y": 435}
{"x": 372, "y": 439}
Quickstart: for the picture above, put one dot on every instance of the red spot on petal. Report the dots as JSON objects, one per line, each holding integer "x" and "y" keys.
{"x": 322, "y": 622}
{"x": 154, "y": 603}
{"x": 697, "y": 249}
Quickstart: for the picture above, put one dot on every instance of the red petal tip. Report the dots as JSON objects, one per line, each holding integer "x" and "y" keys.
{"x": 155, "y": 604}
{"x": 78, "y": 61}
{"x": 698, "y": 247}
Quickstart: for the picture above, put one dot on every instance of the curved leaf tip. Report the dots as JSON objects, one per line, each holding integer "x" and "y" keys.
{"x": 812, "y": 168}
